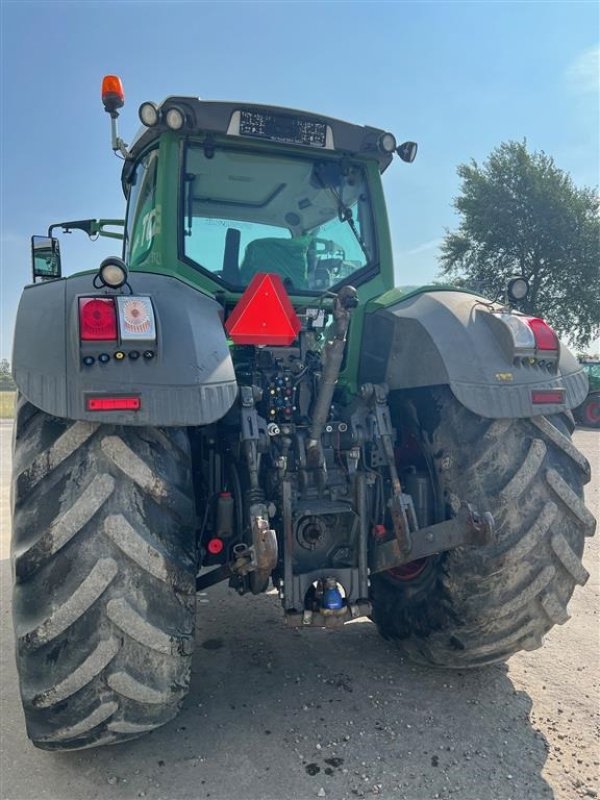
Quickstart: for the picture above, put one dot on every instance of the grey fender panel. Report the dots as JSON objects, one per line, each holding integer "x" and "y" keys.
{"x": 448, "y": 338}
{"x": 190, "y": 381}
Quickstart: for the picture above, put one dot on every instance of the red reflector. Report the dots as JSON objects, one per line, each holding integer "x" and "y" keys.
{"x": 541, "y": 396}
{"x": 113, "y": 403}
{"x": 379, "y": 531}
{"x": 215, "y": 546}
{"x": 97, "y": 319}
{"x": 264, "y": 314}
{"x": 545, "y": 338}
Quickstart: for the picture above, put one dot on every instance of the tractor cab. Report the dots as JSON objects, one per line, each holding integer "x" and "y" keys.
{"x": 258, "y": 189}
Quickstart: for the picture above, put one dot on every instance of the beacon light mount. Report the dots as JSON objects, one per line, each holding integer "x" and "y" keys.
{"x": 113, "y": 98}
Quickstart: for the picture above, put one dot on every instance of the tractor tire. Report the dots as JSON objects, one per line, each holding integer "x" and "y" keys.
{"x": 104, "y": 559}
{"x": 588, "y": 413}
{"x": 473, "y": 606}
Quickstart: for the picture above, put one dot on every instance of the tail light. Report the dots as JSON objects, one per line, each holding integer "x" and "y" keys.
{"x": 545, "y": 338}
{"x": 97, "y": 319}
{"x": 136, "y": 319}
{"x": 530, "y": 335}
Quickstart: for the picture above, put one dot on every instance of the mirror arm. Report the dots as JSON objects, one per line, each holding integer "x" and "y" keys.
{"x": 88, "y": 226}
{"x": 117, "y": 223}
{"x": 93, "y": 227}
{"x": 111, "y": 235}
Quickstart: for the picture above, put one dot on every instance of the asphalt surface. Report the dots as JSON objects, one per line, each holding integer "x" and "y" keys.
{"x": 275, "y": 714}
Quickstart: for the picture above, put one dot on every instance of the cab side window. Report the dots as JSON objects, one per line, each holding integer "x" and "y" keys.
{"x": 143, "y": 215}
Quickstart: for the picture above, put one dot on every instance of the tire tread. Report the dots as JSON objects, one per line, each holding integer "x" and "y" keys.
{"x": 104, "y": 552}
{"x": 490, "y": 602}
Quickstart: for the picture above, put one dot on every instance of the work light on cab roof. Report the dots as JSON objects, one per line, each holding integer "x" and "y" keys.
{"x": 148, "y": 114}
{"x": 174, "y": 119}
{"x": 517, "y": 289}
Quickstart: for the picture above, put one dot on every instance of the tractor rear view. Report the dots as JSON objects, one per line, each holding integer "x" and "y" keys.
{"x": 244, "y": 396}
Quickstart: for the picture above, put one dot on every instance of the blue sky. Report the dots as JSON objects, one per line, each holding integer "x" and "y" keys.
{"x": 457, "y": 77}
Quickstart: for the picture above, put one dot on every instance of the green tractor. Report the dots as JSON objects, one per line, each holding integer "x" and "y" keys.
{"x": 588, "y": 413}
{"x": 245, "y": 397}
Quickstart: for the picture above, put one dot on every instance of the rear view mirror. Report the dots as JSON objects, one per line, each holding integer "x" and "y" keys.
{"x": 45, "y": 257}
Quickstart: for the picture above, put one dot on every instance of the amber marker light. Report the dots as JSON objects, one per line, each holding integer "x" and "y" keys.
{"x": 113, "y": 94}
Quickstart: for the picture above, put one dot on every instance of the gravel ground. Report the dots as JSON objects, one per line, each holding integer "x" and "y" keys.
{"x": 275, "y": 714}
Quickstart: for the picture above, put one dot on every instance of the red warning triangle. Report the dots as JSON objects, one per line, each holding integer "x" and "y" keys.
{"x": 264, "y": 314}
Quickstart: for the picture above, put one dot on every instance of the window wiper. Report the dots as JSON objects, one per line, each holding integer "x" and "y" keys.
{"x": 189, "y": 179}
{"x": 345, "y": 214}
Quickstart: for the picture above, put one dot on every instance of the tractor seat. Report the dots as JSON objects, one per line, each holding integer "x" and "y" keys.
{"x": 286, "y": 257}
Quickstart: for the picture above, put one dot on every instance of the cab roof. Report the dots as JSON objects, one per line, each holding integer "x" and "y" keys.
{"x": 248, "y": 121}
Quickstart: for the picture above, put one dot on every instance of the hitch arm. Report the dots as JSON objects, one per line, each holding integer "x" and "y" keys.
{"x": 403, "y": 517}
{"x": 466, "y": 529}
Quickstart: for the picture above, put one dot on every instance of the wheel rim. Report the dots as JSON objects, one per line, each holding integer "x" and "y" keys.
{"x": 410, "y": 571}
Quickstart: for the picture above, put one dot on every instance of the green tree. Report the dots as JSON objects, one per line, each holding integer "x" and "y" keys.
{"x": 6, "y": 379}
{"x": 521, "y": 215}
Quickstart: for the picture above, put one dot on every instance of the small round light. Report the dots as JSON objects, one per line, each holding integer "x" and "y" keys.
{"x": 215, "y": 546}
{"x": 517, "y": 288}
{"x": 119, "y": 355}
{"x": 174, "y": 119}
{"x": 88, "y": 360}
{"x": 104, "y": 358}
{"x": 134, "y": 355}
{"x": 112, "y": 272}
{"x": 148, "y": 114}
{"x": 387, "y": 142}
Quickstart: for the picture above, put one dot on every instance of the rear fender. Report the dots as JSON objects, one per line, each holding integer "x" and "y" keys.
{"x": 446, "y": 337}
{"x": 189, "y": 381}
